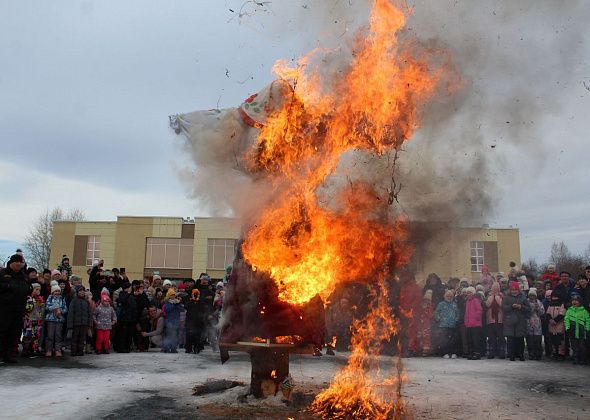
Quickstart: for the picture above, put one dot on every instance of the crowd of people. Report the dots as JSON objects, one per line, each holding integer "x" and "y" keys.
{"x": 498, "y": 316}
{"x": 502, "y": 316}
{"x": 49, "y": 313}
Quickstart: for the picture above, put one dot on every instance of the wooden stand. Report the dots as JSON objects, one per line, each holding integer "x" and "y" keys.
{"x": 270, "y": 364}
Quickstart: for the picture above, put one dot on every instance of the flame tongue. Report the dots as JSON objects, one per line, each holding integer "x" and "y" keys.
{"x": 307, "y": 248}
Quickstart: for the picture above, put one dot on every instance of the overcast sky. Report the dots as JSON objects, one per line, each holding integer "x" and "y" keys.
{"x": 86, "y": 88}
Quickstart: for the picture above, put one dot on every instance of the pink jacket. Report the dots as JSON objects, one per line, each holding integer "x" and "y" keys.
{"x": 473, "y": 312}
{"x": 498, "y": 309}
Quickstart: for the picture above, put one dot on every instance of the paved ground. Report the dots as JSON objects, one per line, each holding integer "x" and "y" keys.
{"x": 155, "y": 385}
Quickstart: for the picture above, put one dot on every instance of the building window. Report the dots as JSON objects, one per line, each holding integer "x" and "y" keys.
{"x": 169, "y": 253}
{"x": 477, "y": 256}
{"x": 220, "y": 253}
{"x": 93, "y": 250}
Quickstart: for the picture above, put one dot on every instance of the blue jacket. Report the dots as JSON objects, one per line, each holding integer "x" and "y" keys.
{"x": 447, "y": 314}
{"x": 172, "y": 314}
{"x": 55, "y": 302}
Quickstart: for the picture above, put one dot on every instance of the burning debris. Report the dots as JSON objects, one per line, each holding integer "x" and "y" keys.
{"x": 310, "y": 231}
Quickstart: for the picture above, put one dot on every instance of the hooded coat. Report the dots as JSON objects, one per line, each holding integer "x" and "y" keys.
{"x": 515, "y": 320}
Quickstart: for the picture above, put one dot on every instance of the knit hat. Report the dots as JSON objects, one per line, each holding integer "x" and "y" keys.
{"x": 170, "y": 293}
{"x": 16, "y": 258}
{"x": 79, "y": 287}
{"x": 514, "y": 285}
{"x": 181, "y": 286}
{"x": 36, "y": 286}
{"x": 167, "y": 283}
{"x": 470, "y": 289}
{"x": 576, "y": 296}
{"x": 55, "y": 273}
{"x": 53, "y": 283}
{"x": 219, "y": 285}
{"x": 74, "y": 278}
{"x": 533, "y": 292}
{"x": 105, "y": 291}
{"x": 428, "y": 295}
{"x": 479, "y": 288}
{"x": 156, "y": 277}
{"x": 55, "y": 288}
{"x": 551, "y": 266}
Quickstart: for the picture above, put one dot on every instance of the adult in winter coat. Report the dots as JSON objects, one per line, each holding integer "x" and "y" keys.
{"x": 127, "y": 319}
{"x": 79, "y": 320}
{"x": 14, "y": 289}
{"x": 447, "y": 316}
{"x": 516, "y": 309}
{"x": 195, "y": 323}
{"x": 156, "y": 326}
{"x": 495, "y": 322}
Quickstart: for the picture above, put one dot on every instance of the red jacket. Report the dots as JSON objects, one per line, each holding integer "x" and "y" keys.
{"x": 552, "y": 277}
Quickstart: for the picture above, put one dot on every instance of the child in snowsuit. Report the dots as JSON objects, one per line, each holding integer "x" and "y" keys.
{"x": 424, "y": 322}
{"x": 577, "y": 326}
{"x": 555, "y": 326}
{"x": 104, "y": 319}
{"x": 171, "y": 310}
{"x": 79, "y": 320}
{"x": 447, "y": 316}
{"x": 55, "y": 311}
{"x": 33, "y": 322}
{"x": 534, "y": 326}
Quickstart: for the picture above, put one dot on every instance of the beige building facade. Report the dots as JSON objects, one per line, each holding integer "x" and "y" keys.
{"x": 178, "y": 248}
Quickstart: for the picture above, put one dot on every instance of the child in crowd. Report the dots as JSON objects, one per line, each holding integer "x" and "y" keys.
{"x": 473, "y": 324}
{"x": 495, "y": 326}
{"x": 79, "y": 320}
{"x": 171, "y": 312}
{"x": 447, "y": 316}
{"x": 104, "y": 319}
{"x": 555, "y": 315}
{"x": 33, "y": 322}
{"x": 55, "y": 311}
{"x": 534, "y": 326}
{"x": 516, "y": 309}
{"x": 577, "y": 326}
{"x": 424, "y": 321}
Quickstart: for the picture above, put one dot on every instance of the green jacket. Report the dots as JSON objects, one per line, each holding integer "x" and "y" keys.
{"x": 579, "y": 317}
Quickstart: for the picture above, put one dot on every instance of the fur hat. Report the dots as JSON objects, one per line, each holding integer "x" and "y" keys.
{"x": 55, "y": 288}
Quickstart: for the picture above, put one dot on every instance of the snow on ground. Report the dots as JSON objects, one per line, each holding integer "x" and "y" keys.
{"x": 157, "y": 385}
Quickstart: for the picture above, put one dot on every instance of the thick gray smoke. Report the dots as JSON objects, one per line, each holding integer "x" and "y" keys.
{"x": 513, "y": 57}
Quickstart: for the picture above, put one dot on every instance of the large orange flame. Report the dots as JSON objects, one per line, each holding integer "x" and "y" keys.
{"x": 374, "y": 105}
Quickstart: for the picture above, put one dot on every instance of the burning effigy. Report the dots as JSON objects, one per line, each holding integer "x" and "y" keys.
{"x": 320, "y": 225}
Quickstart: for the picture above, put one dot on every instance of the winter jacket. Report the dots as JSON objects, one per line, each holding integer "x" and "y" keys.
{"x": 564, "y": 294}
{"x": 494, "y": 309}
{"x": 534, "y": 325}
{"x": 515, "y": 320}
{"x": 157, "y": 331}
{"x": 473, "y": 312}
{"x": 447, "y": 314}
{"x": 552, "y": 277}
{"x": 577, "y": 322}
{"x": 104, "y": 315}
{"x": 557, "y": 314}
{"x": 14, "y": 289}
{"x": 127, "y": 305}
{"x": 171, "y": 314}
{"x": 194, "y": 314}
{"x": 35, "y": 308}
{"x": 53, "y": 303}
{"x": 79, "y": 313}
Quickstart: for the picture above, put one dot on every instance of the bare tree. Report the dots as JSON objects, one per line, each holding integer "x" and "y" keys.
{"x": 565, "y": 260}
{"x": 531, "y": 267}
{"x": 38, "y": 240}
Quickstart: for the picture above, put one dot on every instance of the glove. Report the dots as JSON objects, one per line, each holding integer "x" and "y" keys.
{"x": 69, "y": 335}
